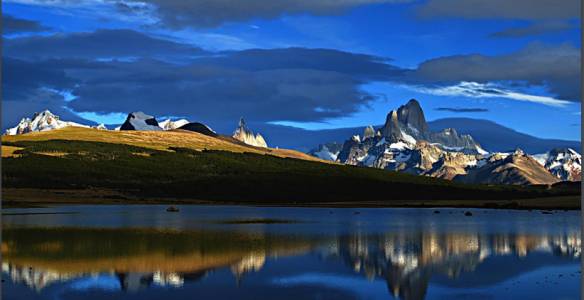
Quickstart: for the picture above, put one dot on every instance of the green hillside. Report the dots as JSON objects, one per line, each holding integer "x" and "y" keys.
{"x": 61, "y": 169}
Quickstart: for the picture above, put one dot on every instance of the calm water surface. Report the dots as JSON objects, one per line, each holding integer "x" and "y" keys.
{"x": 229, "y": 252}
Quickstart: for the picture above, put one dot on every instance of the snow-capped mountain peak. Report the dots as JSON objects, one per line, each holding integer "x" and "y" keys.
{"x": 168, "y": 124}
{"x": 564, "y": 163}
{"x": 140, "y": 121}
{"x": 405, "y": 144}
{"x": 100, "y": 127}
{"x": 41, "y": 121}
{"x": 328, "y": 151}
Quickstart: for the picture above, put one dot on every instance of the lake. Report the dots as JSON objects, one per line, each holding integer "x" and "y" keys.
{"x": 239, "y": 252}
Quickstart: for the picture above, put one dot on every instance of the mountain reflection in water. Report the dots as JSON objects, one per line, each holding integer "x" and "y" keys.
{"x": 407, "y": 261}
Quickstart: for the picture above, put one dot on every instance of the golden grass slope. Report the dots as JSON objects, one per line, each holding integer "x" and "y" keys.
{"x": 8, "y": 151}
{"x": 159, "y": 140}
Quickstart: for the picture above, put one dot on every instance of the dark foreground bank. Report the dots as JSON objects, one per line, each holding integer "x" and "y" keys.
{"x": 59, "y": 171}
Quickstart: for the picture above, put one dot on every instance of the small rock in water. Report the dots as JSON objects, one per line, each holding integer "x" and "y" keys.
{"x": 467, "y": 213}
{"x": 546, "y": 212}
{"x": 172, "y": 209}
{"x": 356, "y": 212}
{"x": 436, "y": 211}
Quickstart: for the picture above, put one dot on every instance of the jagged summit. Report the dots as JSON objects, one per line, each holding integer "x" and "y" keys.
{"x": 407, "y": 145}
{"x": 368, "y": 132}
{"x": 140, "y": 121}
{"x": 412, "y": 115}
{"x": 518, "y": 152}
{"x": 514, "y": 168}
{"x": 41, "y": 121}
{"x": 564, "y": 163}
{"x": 244, "y": 134}
{"x": 408, "y": 124}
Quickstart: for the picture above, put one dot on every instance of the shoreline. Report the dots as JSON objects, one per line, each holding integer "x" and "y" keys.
{"x": 21, "y": 198}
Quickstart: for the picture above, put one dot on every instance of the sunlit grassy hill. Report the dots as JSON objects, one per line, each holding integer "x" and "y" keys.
{"x": 159, "y": 140}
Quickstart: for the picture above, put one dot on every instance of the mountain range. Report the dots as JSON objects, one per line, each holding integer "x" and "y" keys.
{"x": 406, "y": 142}
{"x": 492, "y": 136}
{"x": 498, "y": 138}
{"x": 45, "y": 121}
{"x": 144, "y": 122}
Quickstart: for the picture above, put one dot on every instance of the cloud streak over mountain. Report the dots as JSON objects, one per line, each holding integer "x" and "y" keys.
{"x": 462, "y": 109}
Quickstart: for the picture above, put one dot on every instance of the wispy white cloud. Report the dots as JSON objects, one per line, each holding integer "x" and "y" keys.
{"x": 107, "y": 118}
{"x": 486, "y": 90}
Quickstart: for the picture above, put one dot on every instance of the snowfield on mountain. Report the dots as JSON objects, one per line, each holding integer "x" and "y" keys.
{"x": 43, "y": 121}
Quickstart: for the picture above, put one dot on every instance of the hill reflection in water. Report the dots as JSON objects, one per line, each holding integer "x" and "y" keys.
{"x": 133, "y": 260}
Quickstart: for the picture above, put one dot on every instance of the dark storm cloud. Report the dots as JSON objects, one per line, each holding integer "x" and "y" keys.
{"x": 286, "y": 84}
{"x": 21, "y": 78}
{"x": 358, "y": 65}
{"x": 502, "y": 9}
{"x": 180, "y": 13}
{"x": 12, "y": 24}
{"x": 98, "y": 44}
{"x": 292, "y": 84}
{"x": 265, "y": 85}
{"x": 462, "y": 109}
{"x": 219, "y": 93}
{"x": 558, "y": 67}
{"x": 534, "y": 29}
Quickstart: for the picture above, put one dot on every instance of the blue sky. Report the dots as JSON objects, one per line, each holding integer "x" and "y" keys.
{"x": 304, "y": 63}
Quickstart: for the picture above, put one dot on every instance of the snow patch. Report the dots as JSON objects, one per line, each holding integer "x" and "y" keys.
{"x": 408, "y": 138}
{"x": 481, "y": 150}
{"x": 168, "y": 124}
{"x": 326, "y": 154}
{"x": 381, "y": 142}
{"x": 399, "y": 146}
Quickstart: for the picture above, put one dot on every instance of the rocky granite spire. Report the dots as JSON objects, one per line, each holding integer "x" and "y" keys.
{"x": 369, "y": 132}
{"x": 408, "y": 124}
{"x": 244, "y": 134}
{"x": 412, "y": 116}
{"x": 392, "y": 129}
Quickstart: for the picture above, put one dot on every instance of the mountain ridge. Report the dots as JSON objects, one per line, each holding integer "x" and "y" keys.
{"x": 305, "y": 140}
{"x": 406, "y": 144}
{"x": 41, "y": 121}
